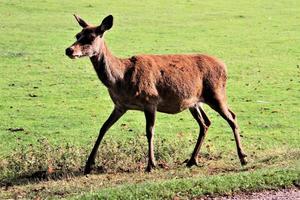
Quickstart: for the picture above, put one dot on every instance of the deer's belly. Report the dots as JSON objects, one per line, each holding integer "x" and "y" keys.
{"x": 129, "y": 100}
{"x": 173, "y": 106}
{"x": 164, "y": 103}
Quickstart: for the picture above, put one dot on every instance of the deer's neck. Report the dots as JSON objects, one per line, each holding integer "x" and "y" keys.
{"x": 109, "y": 68}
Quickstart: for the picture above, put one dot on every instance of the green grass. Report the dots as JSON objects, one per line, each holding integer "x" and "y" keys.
{"x": 189, "y": 188}
{"x": 258, "y": 40}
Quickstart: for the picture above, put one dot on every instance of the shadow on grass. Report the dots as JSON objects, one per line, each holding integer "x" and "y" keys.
{"x": 39, "y": 176}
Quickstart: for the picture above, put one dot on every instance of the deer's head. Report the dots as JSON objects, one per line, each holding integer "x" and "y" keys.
{"x": 90, "y": 39}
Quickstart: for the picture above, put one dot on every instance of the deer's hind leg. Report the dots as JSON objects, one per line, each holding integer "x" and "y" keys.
{"x": 203, "y": 121}
{"x": 220, "y": 105}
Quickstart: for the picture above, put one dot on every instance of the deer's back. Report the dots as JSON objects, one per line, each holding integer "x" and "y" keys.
{"x": 172, "y": 82}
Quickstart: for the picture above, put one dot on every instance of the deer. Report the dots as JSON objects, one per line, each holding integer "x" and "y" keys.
{"x": 156, "y": 83}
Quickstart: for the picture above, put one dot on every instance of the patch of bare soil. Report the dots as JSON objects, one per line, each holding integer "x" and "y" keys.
{"x": 282, "y": 194}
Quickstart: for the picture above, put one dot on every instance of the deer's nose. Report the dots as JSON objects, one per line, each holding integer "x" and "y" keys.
{"x": 69, "y": 51}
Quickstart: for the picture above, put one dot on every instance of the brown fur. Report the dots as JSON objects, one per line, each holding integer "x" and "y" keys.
{"x": 150, "y": 83}
{"x": 171, "y": 83}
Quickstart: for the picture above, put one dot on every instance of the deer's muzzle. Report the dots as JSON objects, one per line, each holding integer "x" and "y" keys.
{"x": 69, "y": 52}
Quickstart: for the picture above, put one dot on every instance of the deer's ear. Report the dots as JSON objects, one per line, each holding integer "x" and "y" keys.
{"x": 105, "y": 25}
{"x": 80, "y": 21}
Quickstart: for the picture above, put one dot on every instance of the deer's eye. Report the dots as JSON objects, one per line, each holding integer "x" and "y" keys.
{"x": 78, "y": 36}
{"x": 85, "y": 40}
{"x": 91, "y": 37}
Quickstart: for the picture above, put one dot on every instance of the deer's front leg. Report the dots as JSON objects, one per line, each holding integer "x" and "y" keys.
{"x": 150, "y": 121}
{"x": 114, "y": 116}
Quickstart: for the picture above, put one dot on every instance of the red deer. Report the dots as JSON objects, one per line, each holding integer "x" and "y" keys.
{"x": 155, "y": 83}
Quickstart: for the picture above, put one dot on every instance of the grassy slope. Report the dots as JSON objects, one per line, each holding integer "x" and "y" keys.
{"x": 259, "y": 41}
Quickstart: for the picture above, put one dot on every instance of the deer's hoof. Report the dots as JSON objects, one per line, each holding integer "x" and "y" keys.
{"x": 87, "y": 169}
{"x": 191, "y": 162}
{"x": 150, "y": 167}
{"x": 243, "y": 159}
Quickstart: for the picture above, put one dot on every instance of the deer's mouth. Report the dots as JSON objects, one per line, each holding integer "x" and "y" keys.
{"x": 75, "y": 56}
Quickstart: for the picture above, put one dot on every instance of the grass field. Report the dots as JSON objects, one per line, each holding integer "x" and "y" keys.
{"x": 51, "y": 107}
